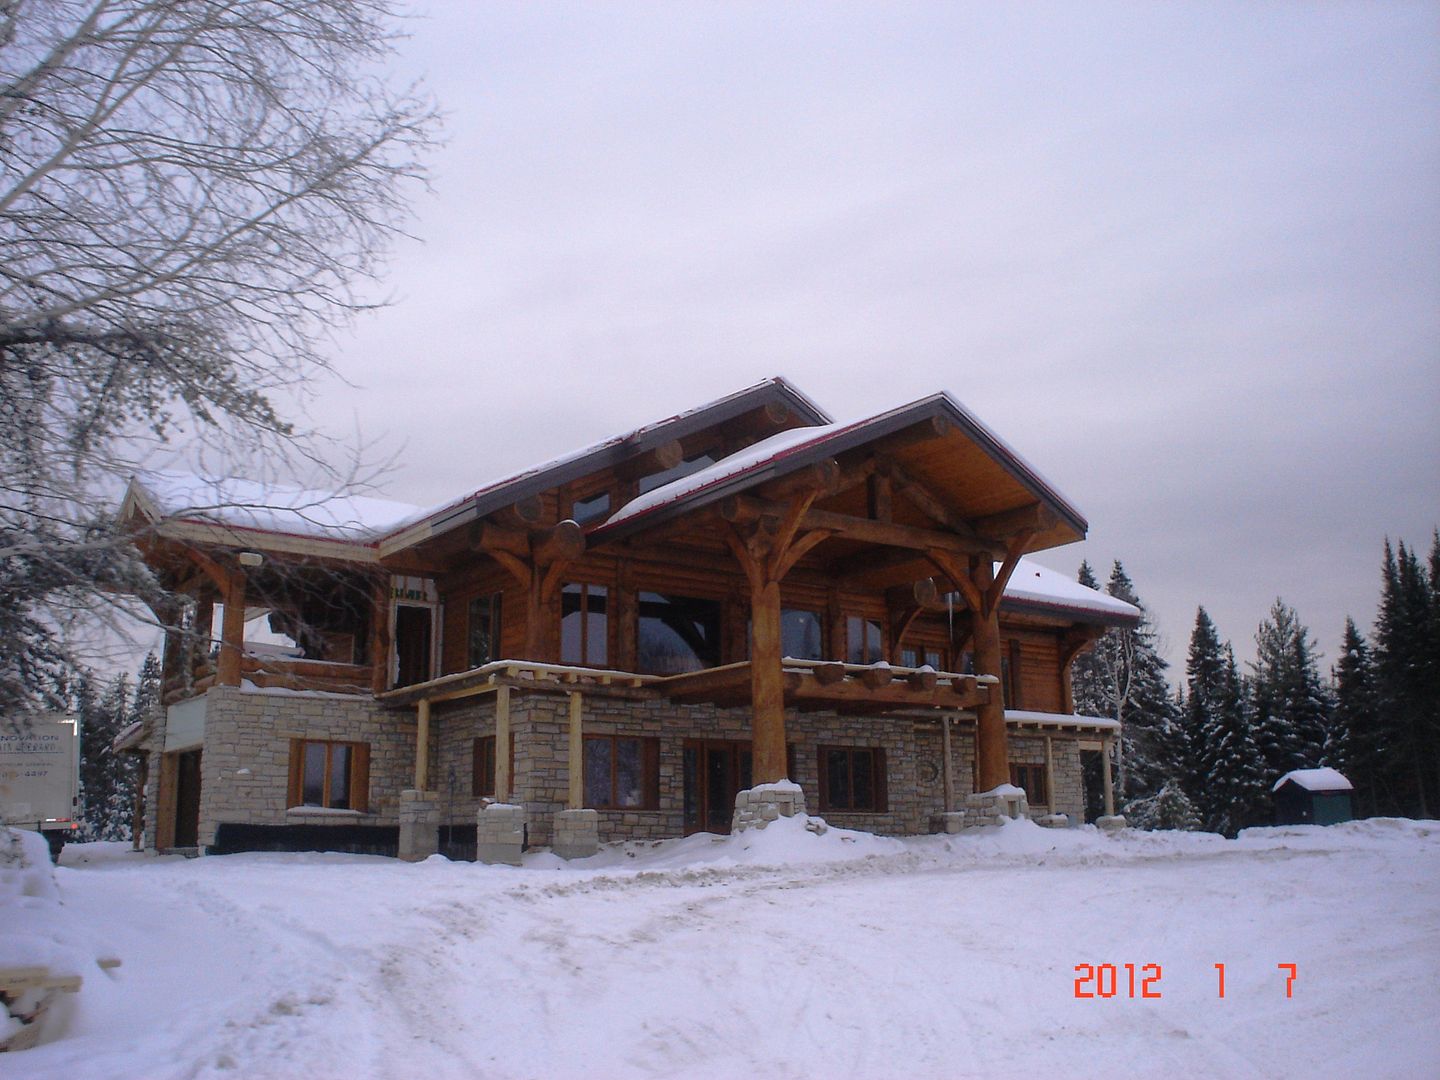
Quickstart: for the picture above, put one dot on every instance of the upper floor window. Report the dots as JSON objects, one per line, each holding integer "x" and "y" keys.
{"x": 584, "y": 625}
{"x": 675, "y": 472}
{"x": 482, "y": 641}
{"x": 677, "y": 634}
{"x": 921, "y": 655}
{"x": 594, "y": 508}
{"x": 801, "y": 634}
{"x": 866, "y": 640}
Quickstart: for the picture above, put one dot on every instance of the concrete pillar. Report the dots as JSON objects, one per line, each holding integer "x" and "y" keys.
{"x": 577, "y": 834}
{"x": 500, "y": 833}
{"x": 419, "y": 824}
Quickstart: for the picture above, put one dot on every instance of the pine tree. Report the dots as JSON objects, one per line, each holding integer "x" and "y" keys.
{"x": 1357, "y": 748}
{"x": 1292, "y": 704}
{"x": 1123, "y": 679}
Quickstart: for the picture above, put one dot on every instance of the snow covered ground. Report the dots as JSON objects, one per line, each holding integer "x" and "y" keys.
{"x": 777, "y": 954}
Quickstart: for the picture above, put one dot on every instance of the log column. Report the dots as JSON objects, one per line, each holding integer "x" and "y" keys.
{"x": 981, "y": 587}
{"x": 232, "y": 631}
{"x": 767, "y": 548}
{"x": 537, "y": 559}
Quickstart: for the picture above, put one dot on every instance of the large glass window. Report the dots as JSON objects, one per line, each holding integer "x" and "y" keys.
{"x": 584, "y": 625}
{"x": 483, "y": 635}
{"x": 921, "y": 655}
{"x": 801, "y": 635}
{"x": 852, "y": 778}
{"x": 866, "y": 640}
{"x": 622, "y": 773}
{"x": 333, "y": 775}
{"x": 677, "y": 634}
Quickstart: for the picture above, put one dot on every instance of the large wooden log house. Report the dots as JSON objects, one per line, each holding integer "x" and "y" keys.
{"x": 741, "y": 595}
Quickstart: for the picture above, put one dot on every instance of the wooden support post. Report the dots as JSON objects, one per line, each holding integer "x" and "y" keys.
{"x": 767, "y": 688}
{"x": 422, "y": 744}
{"x": 502, "y": 744}
{"x": 577, "y": 753}
{"x": 1049, "y": 774}
{"x": 991, "y": 752}
{"x": 380, "y": 636}
{"x": 1105, "y": 775}
{"x": 232, "y": 632}
{"x": 948, "y": 772}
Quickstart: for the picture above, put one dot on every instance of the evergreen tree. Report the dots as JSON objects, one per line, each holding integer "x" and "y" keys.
{"x": 1168, "y": 808}
{"x": 1123, "y": 679}
{"x": 1405, "y": 663}
{"x": 1236, "y": 793}
{"x": 1357, "y": 748}
{"x": 100, "y": 770}
{"x": 1205, "y": 682}
{"x": 1292, "y": 704}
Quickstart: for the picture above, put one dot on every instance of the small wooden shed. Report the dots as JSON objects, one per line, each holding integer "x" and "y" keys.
{"x": 1312, "y": 797}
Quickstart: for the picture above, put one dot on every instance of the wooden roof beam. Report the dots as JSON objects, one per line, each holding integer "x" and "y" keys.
{"x": 1034, "y": 518}
{"x": 742, "y": 508}
{"x": 657, "y": 459}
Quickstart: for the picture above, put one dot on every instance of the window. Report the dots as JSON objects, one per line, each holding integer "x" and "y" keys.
{"x": 675, "y": 472}
{"x": 852, "y": 778}
{"x": 800, "y": 634}
{"x": 866, "y": 640}
{"x": 920, "y": 656}
{"x": 333, "y": 775}
{"x": 584, "y": 626}
{"x": 1010, "y": 675}
{"x": 483, "y": 636}
{"x": 594, "y": 508}
{"x": 1032, "y": 779}
{"x": 677, "y": 633}
{"x": 482, "y": 766}
{"x": 622, "y": 773}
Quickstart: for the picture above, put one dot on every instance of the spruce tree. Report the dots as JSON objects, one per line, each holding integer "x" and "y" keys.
{"x": 1168, "y": 808}
{"x": 1357, "y": 747}
{"x": 1404, "y": 663}
{"x": 1205, "y": 683}
{"x": 1292, "y": 704}
{"x": 1236, "y": 793}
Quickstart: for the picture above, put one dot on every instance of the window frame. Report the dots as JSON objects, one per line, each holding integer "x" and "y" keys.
{"x": 358, "y": 780}
{"x": 587, "y": 658}
{"x": 879, "y": 783}
{"x": 670, "y": 598}
{"x": 493, "y": 602}
{"x": 1018, "y": 770}
{"x": 482, "y": 765}
{"x": 649, "y": 771}
{"x": 864, "y": 621}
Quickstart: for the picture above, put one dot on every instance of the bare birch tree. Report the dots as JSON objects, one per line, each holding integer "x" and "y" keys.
{"x": 192, "y": 193}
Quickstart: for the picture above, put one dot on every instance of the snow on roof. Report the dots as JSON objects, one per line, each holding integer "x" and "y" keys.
{"x": 774, "y": 448}
{"x": 446, "y": 510}
{"x": 254, "y": 504}
{"x": 1028, "y": 716}
{"x": 1032, "y": 583}
{"x": 1322, "y": 779}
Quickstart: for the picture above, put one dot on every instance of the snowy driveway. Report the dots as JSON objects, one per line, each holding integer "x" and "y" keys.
{"x": 782, "y": 953}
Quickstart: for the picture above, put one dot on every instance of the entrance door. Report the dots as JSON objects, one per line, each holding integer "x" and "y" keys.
{"x": 714, "y": 771}
{"x": 187, "y": 799}
{"x": 412, "y": 644}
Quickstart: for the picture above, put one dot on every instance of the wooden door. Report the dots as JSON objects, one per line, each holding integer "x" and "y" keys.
{"x": 714, "y": 771}
{"x": 187, "y": 799}
{"x": 412, "y": 644}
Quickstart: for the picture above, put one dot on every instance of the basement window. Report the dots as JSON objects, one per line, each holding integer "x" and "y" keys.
{"x": 622, "y": 773}
{"x": 332, "y": 775}
{"x": 853, "y": 778}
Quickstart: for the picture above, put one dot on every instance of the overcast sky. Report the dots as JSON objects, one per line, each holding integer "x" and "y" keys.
{"x": 1185, "y": 258}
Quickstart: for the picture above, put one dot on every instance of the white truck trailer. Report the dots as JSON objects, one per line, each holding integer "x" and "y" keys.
{"x": 40, "y": 776}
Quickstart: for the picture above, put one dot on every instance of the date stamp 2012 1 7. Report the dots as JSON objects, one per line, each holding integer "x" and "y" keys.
{"x": 1142, "y": 981}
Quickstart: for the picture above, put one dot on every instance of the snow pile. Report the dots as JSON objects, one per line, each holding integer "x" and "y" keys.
{"x": 35, "y": 929}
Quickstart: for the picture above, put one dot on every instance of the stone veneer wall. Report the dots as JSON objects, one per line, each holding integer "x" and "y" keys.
{"x": 252, "y": 730}
{"x": 540, "y": 724}
{"x": 249, "y": 730}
